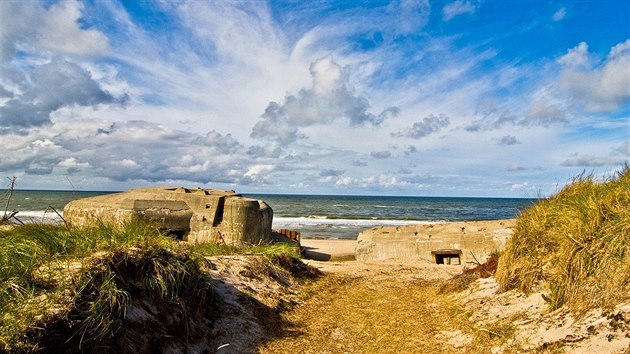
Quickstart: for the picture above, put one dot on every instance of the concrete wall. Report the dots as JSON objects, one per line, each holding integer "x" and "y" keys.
{"x": 476, "y": 239}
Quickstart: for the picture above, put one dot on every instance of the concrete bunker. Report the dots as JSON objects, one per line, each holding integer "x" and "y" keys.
{"x": 192, "y": 215}
{"x": 420, "y": 241}
{"x": 447, "y": 256}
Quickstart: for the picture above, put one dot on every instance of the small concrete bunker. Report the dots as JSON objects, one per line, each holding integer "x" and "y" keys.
{"x": 192, "y": 215}
{"x": 442, "y": 243}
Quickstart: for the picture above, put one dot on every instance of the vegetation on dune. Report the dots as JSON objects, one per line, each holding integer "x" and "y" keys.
{"x": 577, "y": 242}
{"x": 73, "y": 288}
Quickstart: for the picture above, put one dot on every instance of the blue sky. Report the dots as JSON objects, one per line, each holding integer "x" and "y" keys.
{"x": 409, "y": 97}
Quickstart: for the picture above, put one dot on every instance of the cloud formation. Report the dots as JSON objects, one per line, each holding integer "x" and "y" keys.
{"x": 598, "y": 86}
{"x": 410, "y": 15}
{"x": 330, "y": 98}
{"x": 381, "y": 154}
{"x": 428, "y": 125}
{"x": 508, "y": 140}
{"x": 57, "y": 29}
{"x": 456, "y": 8}
{"x": 331, "y": 172}
{"x": 79, "y": 98}
{"x": 58, "y": 83}
{"x": 560, "y": 14}
{"x": 618, "y": 156}
{"x": 544, "y": 112}
{"x": 129, "y": 151}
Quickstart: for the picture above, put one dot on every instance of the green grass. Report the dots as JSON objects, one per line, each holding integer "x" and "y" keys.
{"x": 209, "y": 249}
{"x": 576, "y": 242}
{"x": 92, "y": 275}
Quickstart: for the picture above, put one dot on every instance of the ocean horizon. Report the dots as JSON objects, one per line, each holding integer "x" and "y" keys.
{"x": 316, "y": 216}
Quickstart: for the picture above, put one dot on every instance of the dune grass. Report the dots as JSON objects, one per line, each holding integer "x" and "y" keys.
{"x": 41, "y": 264}
{"x": 577, "y": 242}
{"x": 47, "y": 270}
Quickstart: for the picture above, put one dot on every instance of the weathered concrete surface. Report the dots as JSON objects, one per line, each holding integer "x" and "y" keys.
{"x": 478, "y": 238}
{"x": 194, "y": 215}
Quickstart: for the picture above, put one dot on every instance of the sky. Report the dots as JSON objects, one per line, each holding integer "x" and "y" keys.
{"x": 488, "y": 98}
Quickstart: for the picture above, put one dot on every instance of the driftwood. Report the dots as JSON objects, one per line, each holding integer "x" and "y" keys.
{"x": 8, "y": 215}
{"x": 50, "y": 207}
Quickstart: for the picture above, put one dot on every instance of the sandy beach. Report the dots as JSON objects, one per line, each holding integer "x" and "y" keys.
{"x": 327, "y": 250}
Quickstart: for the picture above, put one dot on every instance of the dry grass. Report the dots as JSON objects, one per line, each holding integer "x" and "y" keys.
{"x": 577, "y": 242}
{"x": 359, "y": 315}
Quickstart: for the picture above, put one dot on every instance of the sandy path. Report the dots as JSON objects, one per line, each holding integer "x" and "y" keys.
{"x": 326, "y": 250}
{"x": 381, "y": 307}
{"x": 395, "y": 306}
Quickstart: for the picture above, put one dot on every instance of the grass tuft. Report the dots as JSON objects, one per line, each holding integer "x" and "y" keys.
{"x": 40, "y": 263}
{"x": 152, "y": 279}
{"x": 79, "y": 283}
{"x": 577, "y": 242}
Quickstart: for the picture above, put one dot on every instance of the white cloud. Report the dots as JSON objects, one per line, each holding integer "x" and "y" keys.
{"x": 128, "y": 163}
{"x": 581, "y": 86}
{"x": 345, "y": 181}
{"x": 410, "y": 15}
{"x": 456, "y": 8}
{"x": 56, "y": 29}
{"x": 72, "y": 165}
{"x": 330, "y": 98}
{"x": 560, "y": 14}
{"x": 599, "y": 87}
{"x": 258, "y": 171}
{"x": 576, "y": 57}
{"x": 60, "y": 31}
{"x": 620, "y": 50}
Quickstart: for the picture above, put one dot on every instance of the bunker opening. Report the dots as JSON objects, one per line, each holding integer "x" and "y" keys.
{"x": 450, "y": 256}
{"x": 218, "y": 216}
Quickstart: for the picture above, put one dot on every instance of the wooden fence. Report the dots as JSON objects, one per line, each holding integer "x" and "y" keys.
{"x": 291, "y": 234}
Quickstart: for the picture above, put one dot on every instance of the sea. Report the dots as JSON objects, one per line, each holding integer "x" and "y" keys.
{"x": 314, "y": 216}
